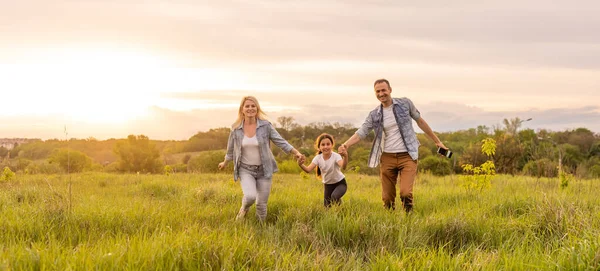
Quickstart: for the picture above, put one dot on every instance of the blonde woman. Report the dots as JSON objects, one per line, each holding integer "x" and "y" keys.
{"x": 249, "y": 148}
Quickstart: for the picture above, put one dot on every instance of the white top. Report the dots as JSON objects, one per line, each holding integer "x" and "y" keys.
{"x": 250, "y": 151}
{"x": 330, "y": 170}
{"x": 392, "y": 139}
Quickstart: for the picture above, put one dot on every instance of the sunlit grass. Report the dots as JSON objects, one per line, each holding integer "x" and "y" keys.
{"x": 187, "y": 222}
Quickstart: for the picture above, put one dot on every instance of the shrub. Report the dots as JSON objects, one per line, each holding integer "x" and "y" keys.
{"x": 594, "y": 171}
{"x": 438, "y": 166}
{"x": 541, "y": 168}
{"x": 47, "y": 168}
{"x": 112, "y": 167}
{"x": 207, "y": 162}
{"x": 70, "y": 160}
{"x": 186, "y": 158}
{"x": 168, "y": 170}
{"x": 7, "y": 174}
{"x": 180, "y": 168}
{"x": 138, "y": 154}
{"x": 479, "y": 178}
{"x": 289, "y": 166}
{"x": 565, "y": 178}
{"x": 22, "y": 164}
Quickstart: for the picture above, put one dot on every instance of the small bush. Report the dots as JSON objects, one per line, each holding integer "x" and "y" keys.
{"x": 168, "y": 170}
{"x": 480, "y": 178}
{"x": 7, "y": 174}
{"x": 207, "y": 162}
{"x": 594, "y": 171}
{"x": 541, "y": 168}
{"x": 112, "y": 167}
{"x": 438, "y": 166}
{"x": 71, "y": 160}
{"x": 180, "y": 168}
{"x": 565, "y": 178}
{"x": 186, "y": 159}
{"x": 289, "y": 166}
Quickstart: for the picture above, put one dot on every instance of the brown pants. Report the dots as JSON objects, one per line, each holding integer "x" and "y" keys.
{"x": 393, "y": 165}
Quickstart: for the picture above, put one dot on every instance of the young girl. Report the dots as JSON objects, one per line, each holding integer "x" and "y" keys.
{"x": 329, "y": 165}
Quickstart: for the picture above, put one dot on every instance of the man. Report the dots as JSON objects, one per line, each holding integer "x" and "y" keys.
{"x": 395, "y": 146}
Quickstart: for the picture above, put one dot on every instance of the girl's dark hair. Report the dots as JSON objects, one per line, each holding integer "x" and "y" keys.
{"x": 318, "y": 143}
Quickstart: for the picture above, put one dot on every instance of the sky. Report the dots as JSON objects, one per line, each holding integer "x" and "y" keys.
{"x": 169, "y": 69}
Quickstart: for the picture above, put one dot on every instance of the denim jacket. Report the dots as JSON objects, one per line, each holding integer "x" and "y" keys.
{"x": 404, "y": 110}
{"x": 265, "y": 133}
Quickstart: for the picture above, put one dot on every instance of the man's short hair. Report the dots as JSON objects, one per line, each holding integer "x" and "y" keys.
{"x": 378, "y": 81}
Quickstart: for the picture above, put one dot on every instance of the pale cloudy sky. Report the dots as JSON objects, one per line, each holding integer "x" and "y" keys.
{"x": 168, "y": 69}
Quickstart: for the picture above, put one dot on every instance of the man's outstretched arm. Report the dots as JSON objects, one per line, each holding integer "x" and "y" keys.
{"x": 425, "y": 127}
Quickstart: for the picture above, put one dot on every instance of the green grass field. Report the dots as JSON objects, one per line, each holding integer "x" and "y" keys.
{"x": 186, "y": 222}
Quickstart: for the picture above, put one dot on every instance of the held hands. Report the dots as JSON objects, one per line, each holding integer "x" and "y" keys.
{"x": 342, "y": 150}
{"x": 301, "y": 160}
{"x": 299, "y": 156}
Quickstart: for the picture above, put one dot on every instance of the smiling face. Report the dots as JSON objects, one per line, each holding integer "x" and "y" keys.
{"x": 325, "y": 146}
{"x": 249, "y": 109}
{"x": 383, "y": 92}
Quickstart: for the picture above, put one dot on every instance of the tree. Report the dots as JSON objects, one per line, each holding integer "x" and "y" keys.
{"x": 508, "y": 154}
{"x": 571, "y": 156}
{"x": 286, "y": 123}
{"x": 438, "y": 166}
{"x": 479, "y": 178}
{"x": 70, "y": 160}
{"x": 541, "y": 168}
{"x": 3, "y": 152}
{"x": 513, "y": 125}
{"x": 214, "y": 139}
{"x": 207, "y": 161}
{"x": 138, "y": 154}
{"x": 7, "y": 174}
{"x": 186, "y": 158}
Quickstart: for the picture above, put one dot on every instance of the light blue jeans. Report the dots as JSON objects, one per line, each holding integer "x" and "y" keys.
{"x": 256, "y": 188}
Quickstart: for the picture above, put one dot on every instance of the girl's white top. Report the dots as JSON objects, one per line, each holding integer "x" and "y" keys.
{"x": 330, "y": 170}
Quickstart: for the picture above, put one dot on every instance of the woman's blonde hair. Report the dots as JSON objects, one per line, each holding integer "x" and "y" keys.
{"x": 259, "y": 113}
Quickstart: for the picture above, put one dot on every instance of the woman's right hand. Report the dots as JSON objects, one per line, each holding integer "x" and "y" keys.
{"x": 221, "y": 165}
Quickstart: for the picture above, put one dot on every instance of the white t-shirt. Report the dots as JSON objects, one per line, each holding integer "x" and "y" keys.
{"x": 250, "y": 151}
{"x": 330, "y": 170}
{"x": 392, "y": 139}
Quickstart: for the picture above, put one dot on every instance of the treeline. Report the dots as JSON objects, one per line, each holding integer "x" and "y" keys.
{"x": 519, "y": 151}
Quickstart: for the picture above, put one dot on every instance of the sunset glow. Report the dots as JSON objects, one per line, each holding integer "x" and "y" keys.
{"x": 123, "y": 67}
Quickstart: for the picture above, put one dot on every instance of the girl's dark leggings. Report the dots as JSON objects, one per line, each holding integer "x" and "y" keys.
{"x": 334, "y": 192}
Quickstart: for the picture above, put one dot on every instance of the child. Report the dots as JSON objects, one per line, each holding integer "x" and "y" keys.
{"x": 329, "y": 165}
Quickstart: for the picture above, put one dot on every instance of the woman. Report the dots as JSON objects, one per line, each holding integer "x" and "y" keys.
{"x": 249, "y": 148}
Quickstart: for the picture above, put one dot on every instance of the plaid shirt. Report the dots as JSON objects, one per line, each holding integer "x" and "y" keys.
{"x": 404, "y": 110}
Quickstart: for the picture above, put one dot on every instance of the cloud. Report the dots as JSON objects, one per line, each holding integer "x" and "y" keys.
{"x": 464, "y": 63}
{"x": 452, "y": 117}
{"x": 536, "y": 33}
{"x": 165, "y": 124}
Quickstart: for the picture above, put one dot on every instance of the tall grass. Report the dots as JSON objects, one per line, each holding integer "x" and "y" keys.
{"x": 186, "y": 222}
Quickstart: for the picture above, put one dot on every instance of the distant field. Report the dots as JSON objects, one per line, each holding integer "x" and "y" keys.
{"x": 186, "y": 222}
